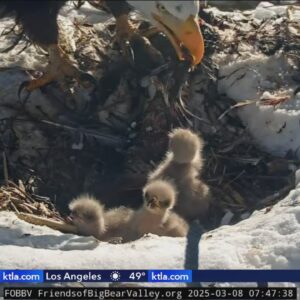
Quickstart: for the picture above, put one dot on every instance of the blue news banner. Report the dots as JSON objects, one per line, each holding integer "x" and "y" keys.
{"x": 36, "y": 276}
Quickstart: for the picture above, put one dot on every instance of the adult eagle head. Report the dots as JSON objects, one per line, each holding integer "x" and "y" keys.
{"x": 179, "y": 21}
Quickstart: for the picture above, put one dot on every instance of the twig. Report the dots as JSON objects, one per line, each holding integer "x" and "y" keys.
{"x": 240, "y": 104}
{"x": 108, "y": 139}
{"x": 272, "y": 199}
{"x": 14, "y": 207}
{"x": 60, "y": 226}
{"x": 24, "y": 193}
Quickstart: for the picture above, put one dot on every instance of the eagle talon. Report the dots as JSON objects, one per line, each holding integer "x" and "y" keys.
{"x": 135, "y": 47}
{"x": 59, "y": 68}
{"x": 128, "y": 52}
{"x": 141, "y": 54}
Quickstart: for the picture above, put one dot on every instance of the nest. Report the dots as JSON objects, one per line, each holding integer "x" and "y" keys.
{"x": 105, "y": 141}
{"x": 15, "y": 198}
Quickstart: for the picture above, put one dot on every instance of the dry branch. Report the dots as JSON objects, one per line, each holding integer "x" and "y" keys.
{"x": 60, "y": 226}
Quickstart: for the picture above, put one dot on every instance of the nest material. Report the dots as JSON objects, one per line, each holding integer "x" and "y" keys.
{"x": 15, "y": 198}
{"x": 110, "y": 151}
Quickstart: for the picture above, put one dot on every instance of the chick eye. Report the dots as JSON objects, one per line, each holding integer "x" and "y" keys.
{"x": 89, "y": 215}
{"x": 165, "y": 203}
{"x": 161, "y": 7}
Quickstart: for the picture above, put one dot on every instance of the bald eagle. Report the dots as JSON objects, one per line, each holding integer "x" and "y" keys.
{"x": 177, "y": 19}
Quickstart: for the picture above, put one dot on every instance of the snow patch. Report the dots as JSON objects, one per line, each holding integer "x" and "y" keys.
{"x": 269, "y": 239}
{"x": 255, "y": 76}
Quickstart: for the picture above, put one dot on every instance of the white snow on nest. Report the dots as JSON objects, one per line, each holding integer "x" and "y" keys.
{"x": 33, "y": 57}
{"x": 269, "y": 239}
{"x": 276, "y": 130}
{"x": 267, "y": 10}
{"x": 252, "y": 76}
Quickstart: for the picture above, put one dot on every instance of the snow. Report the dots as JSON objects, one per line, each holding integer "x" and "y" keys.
{"x": 253, "y": 76}
{"x": 265, "y": 240}
{"x": 268, "y": 239}
{"x": 276, "y": 130}
{"x": 33, "y": 57}
{"x": 267, "y": 10}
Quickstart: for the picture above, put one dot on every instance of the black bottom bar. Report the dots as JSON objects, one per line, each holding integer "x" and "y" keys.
{"x": 150, "y": 293}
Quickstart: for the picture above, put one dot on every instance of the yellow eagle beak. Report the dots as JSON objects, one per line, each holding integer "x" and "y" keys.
{"x": 187, "y": 33}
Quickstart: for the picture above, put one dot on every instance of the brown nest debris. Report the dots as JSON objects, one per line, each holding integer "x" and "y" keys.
{"x": 15, "y": 198}
{"x": 32, "y": 208}
{"x": 105, "y": 141}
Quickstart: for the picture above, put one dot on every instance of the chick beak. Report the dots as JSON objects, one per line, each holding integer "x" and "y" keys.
{"x": 71, "y": 216}
{"x": 75, "y": 217}
{"x": 152, "y": 203}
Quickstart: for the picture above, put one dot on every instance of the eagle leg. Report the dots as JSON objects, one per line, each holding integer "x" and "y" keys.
{"x": 135, "y": 46}
{"x": 124, "y": 28}
{"x": 59, "y": 66}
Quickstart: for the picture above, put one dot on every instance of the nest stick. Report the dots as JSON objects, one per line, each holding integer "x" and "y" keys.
{"x": 60, "y": 226}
